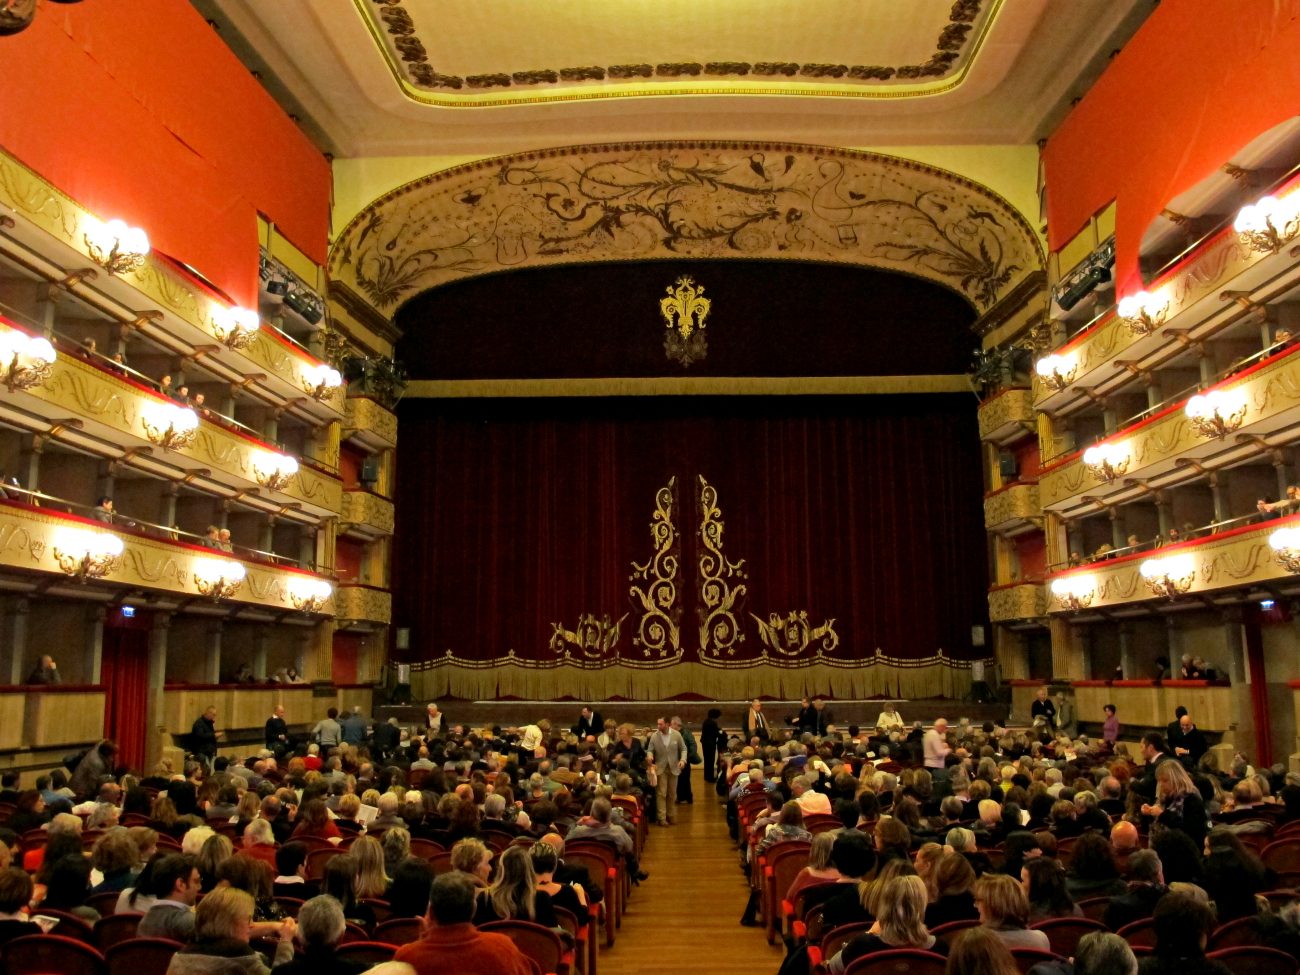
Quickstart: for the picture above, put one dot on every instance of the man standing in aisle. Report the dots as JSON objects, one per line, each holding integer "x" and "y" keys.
{"x": 277, "y": 732}
{"x": 936, "y": 745}
{"x": 204, "y": 735}
{"x": 668, "y": 752}
{"x": 684, "y": 794}
{"x": 755, "y": 722}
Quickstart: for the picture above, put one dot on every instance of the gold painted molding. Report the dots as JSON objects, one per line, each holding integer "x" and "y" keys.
{"x": 1002, "y": 415}
{"x": 367, "y": 421}
{"x": 687, "y": 386}
{"x": 1012, "y": 506}
{"x": 78, "y": 389}
{"x": 37, "y": 201}
{"x": 28, "y": 538}
{"x": 370, "y": 510}
{"x": 362, "y": 604}
{"x": 1024, "y": 602}
{"x": 682, "y": 200}
{"x": 1270, "y": 390}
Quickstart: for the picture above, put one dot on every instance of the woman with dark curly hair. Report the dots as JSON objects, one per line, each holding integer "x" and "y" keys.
{"x": 1092, "y": 871}
{"x": 1044, "y": 882}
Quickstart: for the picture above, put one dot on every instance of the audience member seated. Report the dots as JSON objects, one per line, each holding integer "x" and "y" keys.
{"x": 951, "y": 886}
{"x": 1146, "y": 886}
{"x": 15, "y": 894}
{"x": 117, "y": 859}
{"x": 320, "y": 928}
{"x": 978, "y": 951}
{"x": 1092, "y": 871}
{"x": 340, "y": 882}
{"x": 254, "y": 878}
{"x": 1232, "y": 875}
{"x": 900, "y": 923}
{"x": 1004, "y": 909}
{"x": 1044, "y": 881}
{"x": 290, "y": 871}
{"x": 1103, "y": 953}
{"x": 452, "y": 944}
{"x": 222, "y": 925}
{"x": 841, "y": 902}
{"x": 1183, "y": 925}
{"x": 513, "y": 895}
{"x": 174, "y": 886}
{"x": 408, "y": 895}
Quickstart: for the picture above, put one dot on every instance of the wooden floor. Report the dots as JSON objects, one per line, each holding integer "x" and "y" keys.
{"x": 686, "y": 917}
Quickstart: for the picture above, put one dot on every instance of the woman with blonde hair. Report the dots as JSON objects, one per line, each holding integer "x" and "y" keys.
{"x": 513, "y": 895}
{"x": 216, "y": 850}
{"x": 900, "y": 923}
{"x": 396, "y": 845}
{"x": 1178, "y": 802}
{"x": 372, "y": 880}
{"x": 1004, "y": 910}
{"x": 951, "y": 883}
{"x": 222, "y": 924}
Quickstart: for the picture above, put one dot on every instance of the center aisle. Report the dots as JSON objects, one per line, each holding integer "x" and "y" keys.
{"x": 686, "y": 917}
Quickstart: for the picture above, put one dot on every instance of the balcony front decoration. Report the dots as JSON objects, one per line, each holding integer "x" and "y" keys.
{"x": 1074, "y": 592}
{"x": 1171, "y": 576}
{"x": 26, "y": 360}
{"x": 1217, "y": 413}
{"x": 1285, "y": 543}
{"x": 86, "y": 554}
{"x": 218, "y": 579}
{"x": 1056, "y": 371}
{"x": 1107, "y": 461}
{"x": 309, "y": 595}
{"x": 320, "y": 379}
{"x": 273, "y": 471}
{"x": 1269, "y": 224}
{"x": 115, "y": 247}
{"x": 235, "y": 326}
{"x": 1143, "y": 312}
{"x": 170, "y": 426}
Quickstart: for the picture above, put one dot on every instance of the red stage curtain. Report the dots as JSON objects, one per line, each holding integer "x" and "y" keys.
{"x": 125, "y": 676}
{"x": 514, "y": 515}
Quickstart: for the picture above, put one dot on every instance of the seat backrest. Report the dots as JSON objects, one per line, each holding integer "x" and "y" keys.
{"x": 539, "y": 943}
{"x": 380, "y": 908}
{"x": 70, "y": 926}
{"x": 1235, "y": 934}
{"x": 832, "y": 941}
{"x": 569, "y": 921}
{"x": 104, "y": 903}
{"x": 398, "y": 931}
{"x": 786, "y": 860}
{"x": 1094, "y": 907}
{"x": 41, "y": 954}
{"x": 112, "y": 928}
{"x": 316, "y": 860}
{"x": 952, "y": 927}
{"x": 366, "y": 952}
{"x": 1064, "y": 932}
{"x": 290, "y": 905}
{"x": 1141, "y": 932}
{"x": 424, "y": 849}
{"x": 1255, "y": 960}
{"x": 1027, "y": 958}
{"x": 141, "y": 956}
{"x": 605, "y": 852}
{"x": 441, "y": 863}
{"x": 1282, "y": 855}
{"x": 899, "y": 961}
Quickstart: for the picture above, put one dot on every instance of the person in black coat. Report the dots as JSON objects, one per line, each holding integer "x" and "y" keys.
{"x": 1187, "y": 743}
{"x": 277, "y": 732}
{"x": 385, "y": 739}
{"x": 1145, "y": 888}
{"x": 713, "y": 741}
{"x": 590, "y": 724}
{"x": 1043, "y": 708}
{"x": 203, "y": 736}
{"x": 1154, "y": 752}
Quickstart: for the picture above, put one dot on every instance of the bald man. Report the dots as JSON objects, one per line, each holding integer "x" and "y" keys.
{"x": 936, "y": 745}
{"x": 1123, "y": 843}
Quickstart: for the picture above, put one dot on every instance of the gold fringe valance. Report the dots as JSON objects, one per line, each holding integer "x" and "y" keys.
{"x": 934, "y": 677}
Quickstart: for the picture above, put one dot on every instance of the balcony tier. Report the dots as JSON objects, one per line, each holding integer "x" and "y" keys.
{"x": 369, "y": 425}
{"x": 365, "y": 515}
{"x": 1013, "y": 509}
{"x": 359, "y": 606}
{"x": 29, "y": 536}
{"x": 1018, "y": 601}
{"x": 1007, "y": 417}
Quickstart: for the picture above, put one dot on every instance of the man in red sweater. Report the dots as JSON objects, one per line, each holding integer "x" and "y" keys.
{"x": 452, "y": 944}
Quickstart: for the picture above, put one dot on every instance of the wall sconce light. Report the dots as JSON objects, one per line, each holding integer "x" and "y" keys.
{"x": 115, "y": 247}
{"x": 1285, "y": 543}
{"x": 309, "y": 595}
{"x": 320, "y": 379}
{"x": 218, "y": 578}
{"x": 170, "y": 426}
{"x": 1056, "y": 371}
{"x": 273, "y": 470}
{"x": 1267, "y": 225}
{"x": 235, "y": 327}
{"x": 25, "y": 360}
{"x": 1142, "y": 313}
{"x": 1170, "y": 576}
{"x": 1217, "y": 413}
{"x": 1107, "y": 461}
{"x": 1075, "y": 592}
{"x": 87, "y": 554}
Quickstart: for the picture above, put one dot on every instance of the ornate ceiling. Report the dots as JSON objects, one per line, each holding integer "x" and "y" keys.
{"x": 410, "y": 77}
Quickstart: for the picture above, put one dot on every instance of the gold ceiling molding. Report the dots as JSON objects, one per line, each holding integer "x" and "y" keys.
{"x": 683, "y": 200}
{"x": 409, "y": 40}
{"x": 686, "y": 386}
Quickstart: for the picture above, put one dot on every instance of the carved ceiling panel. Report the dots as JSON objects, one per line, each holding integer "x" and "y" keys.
{"x": 657, "y": 201}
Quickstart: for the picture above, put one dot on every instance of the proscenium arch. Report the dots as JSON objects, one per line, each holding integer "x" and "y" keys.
{"x": 644, "y": 201}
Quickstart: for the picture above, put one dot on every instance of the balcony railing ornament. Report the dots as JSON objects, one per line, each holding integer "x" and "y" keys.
{"x": 1217, "y": 413}
{"x": 218, "y": 579}
{"x": 87, "y": 554}
{"x": 274, "y": 471}
{"x": 1075, "y": 592}
{"x": 1056, "y": 371}
{"x": 320, "y": 380}
{"x": 26, "y": 360}
{"x": 1142, "y": 313}
{"x": 235, "y": 327}
{"x": 170, "y": 426}
{"x": 1285, "y": 543}
{"x": 1171, "y": 576}
{"x": 115, "y": 247}
{"x": 309, "y": 595}
{"x": 1107, "y": 461}
{"x": 1269, "y": 224}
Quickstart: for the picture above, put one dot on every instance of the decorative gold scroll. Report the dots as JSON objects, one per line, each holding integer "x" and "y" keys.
{"x": 658, "y": 629}
{"x": 794, "y": 634}
{"x": 591, "y": 637}
{"x": 719, "y": 629}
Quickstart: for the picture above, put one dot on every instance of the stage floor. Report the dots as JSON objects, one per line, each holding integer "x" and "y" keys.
{"x": 564, "y": 714}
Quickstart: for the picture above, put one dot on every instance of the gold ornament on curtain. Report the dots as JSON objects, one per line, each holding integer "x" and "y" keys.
{"x": 794, "y": 634}
{"x": 685, "y": 311}
{"x": 594, "y": 638}
{"x": 658, "y": 631}
{"x": 719, "y": 629}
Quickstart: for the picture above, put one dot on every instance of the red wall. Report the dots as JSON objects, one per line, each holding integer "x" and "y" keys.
{"x": 1031, "y": 550}
{"x": 346, "y": 650}
{"x": 1196, "y": 83}
{"x": 138, "y": 110}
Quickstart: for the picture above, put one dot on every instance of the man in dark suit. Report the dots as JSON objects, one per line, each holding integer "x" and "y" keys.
{"x": 589, "y": 725}
{"x": 277, "y": 732}
{"x": 385, "y": 739}
{"x": 1171, "y": 729}
{"x": 823, "y": 716}
{"x": 1146, "y": 887}
{"x": 1188, "y": 744}
{"x": 756, "y": 722}
{"x": 1153, "y": 750}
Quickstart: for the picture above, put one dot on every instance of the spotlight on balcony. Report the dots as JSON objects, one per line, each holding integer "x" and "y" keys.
{"x": 218, "y": 578}
{"x": 115, "y": 247}
{"x": 320, "y": 379}
{"x": 1268, "y": 224}
{"x": 25, "y": 360}
{"x": 1075, "y": 592}
{"x": 235, "y": 327}
{"x": 170, "y": 426}
{"x": 1217, "y": 413}
{"x": 86, "y": 554}
{"x": 309, "y": 595}
{"x": 1171, "y": 576}
{"x": 1285, "y": 543}
{"x": 1056, "y": 371}
{"x": 273, "y": 470}
{"x": 1107, "y": 461}
{"x": 1142, "y": 313}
